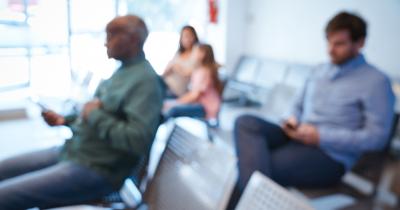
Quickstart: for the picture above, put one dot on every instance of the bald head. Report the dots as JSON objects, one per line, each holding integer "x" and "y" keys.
{"x": 126, "y": 36}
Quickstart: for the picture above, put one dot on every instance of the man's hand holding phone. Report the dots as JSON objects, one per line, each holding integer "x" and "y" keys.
{"x": 304, "y": 133}
{"x": 52, "y": 118}
{"x": 35, "y": 100}
{"x": 290, "y": 124}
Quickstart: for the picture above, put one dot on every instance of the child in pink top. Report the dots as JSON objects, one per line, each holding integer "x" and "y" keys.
{"x": 203, "y": 99}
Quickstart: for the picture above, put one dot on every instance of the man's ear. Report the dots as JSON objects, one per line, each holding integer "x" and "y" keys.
{"x": 360, "y": 43}
{"x": 134, "y": 39}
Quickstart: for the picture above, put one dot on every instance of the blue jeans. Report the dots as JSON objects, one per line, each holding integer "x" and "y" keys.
{"x": 38, "y": 179}
{"x": 188, "y": 110}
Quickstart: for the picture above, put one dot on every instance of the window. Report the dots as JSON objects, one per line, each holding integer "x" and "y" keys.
{"x": 64, "y": 39}
{"x": 36, "y": 37}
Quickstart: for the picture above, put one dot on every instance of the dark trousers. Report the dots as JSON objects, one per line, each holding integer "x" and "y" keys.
{"x": 263, "y": 146}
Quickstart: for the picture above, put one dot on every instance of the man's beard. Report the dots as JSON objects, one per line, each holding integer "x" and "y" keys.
{"x": 345, "y": 59}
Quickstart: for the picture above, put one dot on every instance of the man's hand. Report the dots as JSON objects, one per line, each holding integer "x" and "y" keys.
{"x": 89, "y": 107}
{"x": 305, "y": 133}
{"x": 52, "y": 118}
{"x": 290, "y": 124}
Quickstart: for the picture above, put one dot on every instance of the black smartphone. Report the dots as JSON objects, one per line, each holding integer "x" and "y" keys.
{"x": 36, "y": 101}
{"x": 291, "y": 126}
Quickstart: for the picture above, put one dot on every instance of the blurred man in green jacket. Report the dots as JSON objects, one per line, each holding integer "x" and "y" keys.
{"x": 110, "y": 135}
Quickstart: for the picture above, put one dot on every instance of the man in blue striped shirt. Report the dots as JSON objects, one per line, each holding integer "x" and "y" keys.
{"x": 345, "y": 109}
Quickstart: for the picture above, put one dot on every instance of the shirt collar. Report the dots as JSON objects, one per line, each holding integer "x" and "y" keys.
{"x": 342, "y": 69}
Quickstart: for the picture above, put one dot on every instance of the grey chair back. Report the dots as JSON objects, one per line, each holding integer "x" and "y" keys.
{"x": 261, "y": 193}
{"x": 192, "y": 174}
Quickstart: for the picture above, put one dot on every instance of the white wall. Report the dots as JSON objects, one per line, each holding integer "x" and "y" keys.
{"x": 294, "y": 30}
{"x": 235, "y": 31}
{"x": 215, "y": 33}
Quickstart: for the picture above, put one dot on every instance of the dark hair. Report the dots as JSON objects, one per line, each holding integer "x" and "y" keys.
{"x": 193, "y": 31}
{"x": 355, "y": 25}
{"x": 209, "y": 62}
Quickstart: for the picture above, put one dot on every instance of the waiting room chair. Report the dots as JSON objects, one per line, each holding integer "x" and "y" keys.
{"x": 261, "y": 193}
{"x": 191, "y": 174}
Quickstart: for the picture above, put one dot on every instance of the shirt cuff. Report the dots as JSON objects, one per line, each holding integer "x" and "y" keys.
{"x": 324, "y": 137}
{"x": 70, "y": 119}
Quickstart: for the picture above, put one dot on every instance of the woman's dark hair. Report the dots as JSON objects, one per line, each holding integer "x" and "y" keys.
{"x": 354, "y": 24}
{"x": 193, "y": 31}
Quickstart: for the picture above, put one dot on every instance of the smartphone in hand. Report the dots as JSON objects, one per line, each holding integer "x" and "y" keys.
{"x": 35, "y": 100}
{"x": 289, "y": 124}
